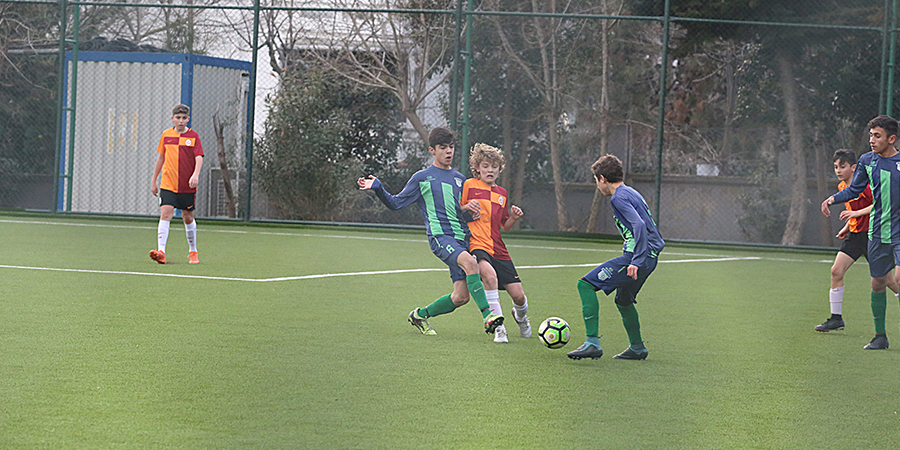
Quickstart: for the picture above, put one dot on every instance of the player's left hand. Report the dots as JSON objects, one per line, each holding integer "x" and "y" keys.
{"x": 195, "y": 179}
{"x": 632, "y": 271}
{"x": 515, "y": 212}
{"x": 473, "y": 208}
{"x": 849, "y": 214}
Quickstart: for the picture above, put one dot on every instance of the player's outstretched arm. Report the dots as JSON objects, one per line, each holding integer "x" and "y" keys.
{"x": 366, "y": 183}
{"x": 828, "y": 202}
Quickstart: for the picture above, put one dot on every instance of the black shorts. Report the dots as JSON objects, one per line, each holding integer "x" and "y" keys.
{"x": 506, "y": 271}
{"x": 856, "y": 245}
{"x": 181, "y": 200}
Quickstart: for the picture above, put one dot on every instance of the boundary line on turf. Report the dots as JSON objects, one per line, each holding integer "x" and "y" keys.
{"x": 333, "y": 275}
{"x": 370, "y": 238}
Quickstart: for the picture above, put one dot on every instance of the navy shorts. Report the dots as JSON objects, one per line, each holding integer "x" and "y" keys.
{"x": 447, "y": 249}
{"x": 613, "y": 276}
{"x": 856, "y": 245}
{"x": 882, "y": 258}
{"x": 181, "y": 200}
{"x": 506, "y": 271}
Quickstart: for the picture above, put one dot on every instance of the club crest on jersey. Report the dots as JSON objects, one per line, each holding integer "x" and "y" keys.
{"x": 187, "y": 142}
{"x": 500, "y": 200}
{"x": 898, "y": 167}
{"x": 459, "y": 181}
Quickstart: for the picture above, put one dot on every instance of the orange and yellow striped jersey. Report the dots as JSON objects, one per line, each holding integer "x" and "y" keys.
{"x": 180, "y": 151}
{"x": 494, "y": 212}
{"x": 858, "y": 224}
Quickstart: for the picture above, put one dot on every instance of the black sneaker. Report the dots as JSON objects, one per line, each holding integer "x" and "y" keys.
{"x": 629, "y": 353}
{"x": 831, "y": 324}
{"x": 879, "y": 342}
{"x": 586, "y": 351}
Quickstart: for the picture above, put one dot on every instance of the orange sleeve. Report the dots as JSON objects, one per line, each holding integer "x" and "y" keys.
{"x": 465, "y": 192}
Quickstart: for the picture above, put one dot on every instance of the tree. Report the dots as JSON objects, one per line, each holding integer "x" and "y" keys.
{"x": 320, "y": 133}
{"x": 28, "y": 87}
{"x": 544, "y": 49}
{"x": 404, "y": 54}
{"x": 783, "y": 48}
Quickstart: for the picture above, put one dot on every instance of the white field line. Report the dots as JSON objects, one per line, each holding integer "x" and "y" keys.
{"x": 331, "y": 275}
{"x": 370, "y": 238}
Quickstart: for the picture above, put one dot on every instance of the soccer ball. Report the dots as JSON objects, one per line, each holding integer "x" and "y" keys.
{"x": 554, "y": 332}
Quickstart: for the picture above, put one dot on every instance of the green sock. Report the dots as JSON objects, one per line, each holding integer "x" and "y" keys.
{"x": 476, "y": 290}
{"x": 590, "y": 307}
{"x": 879, "y": 306}
{"x": 632, "y": 325}
{"x": 440, "y": 306}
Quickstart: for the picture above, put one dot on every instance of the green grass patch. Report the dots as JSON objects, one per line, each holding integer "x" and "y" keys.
{"x": 120, "y": 354}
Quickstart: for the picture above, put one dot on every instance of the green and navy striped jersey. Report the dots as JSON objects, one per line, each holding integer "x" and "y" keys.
{"x": 642, "y": 238}
{"x": 437, "y": 192}
{"x": 883, "y": 174}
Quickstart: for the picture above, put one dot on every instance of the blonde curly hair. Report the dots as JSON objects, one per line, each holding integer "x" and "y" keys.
{"x": 483, "y": 152}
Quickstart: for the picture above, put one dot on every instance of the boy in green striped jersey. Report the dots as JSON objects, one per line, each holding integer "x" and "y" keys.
{"x": 879, "y": 168}
{"x": 437, "y": 190}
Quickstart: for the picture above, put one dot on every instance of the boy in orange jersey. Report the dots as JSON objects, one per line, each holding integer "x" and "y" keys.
{"x": 180, "y": 159}
{"x": 855, "y": 236}
{"x": 497, "y": 269}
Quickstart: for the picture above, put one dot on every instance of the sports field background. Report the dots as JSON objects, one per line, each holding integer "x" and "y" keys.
{"x": 289, "y": 337}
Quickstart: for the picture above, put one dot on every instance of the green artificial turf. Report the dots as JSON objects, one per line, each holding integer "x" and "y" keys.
{"x": 243, "y": 352}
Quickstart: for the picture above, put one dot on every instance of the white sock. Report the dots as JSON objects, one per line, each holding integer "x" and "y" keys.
{"x": 493, "y": 299}
{"x": 836, "y": 296}
{"x": 162, "y": 235}
{"x": 521, "y": 311}
{"x": 190, "y": 229}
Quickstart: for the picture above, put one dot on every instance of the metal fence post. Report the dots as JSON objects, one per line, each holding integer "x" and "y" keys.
{"x": 251, "y": 111}
{"x": 660, "y": 125}
{"x": 60, "y": 102}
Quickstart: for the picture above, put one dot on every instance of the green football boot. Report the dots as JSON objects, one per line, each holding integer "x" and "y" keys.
{"x": 491, "y": 322}
{"x": 421, "y": 323}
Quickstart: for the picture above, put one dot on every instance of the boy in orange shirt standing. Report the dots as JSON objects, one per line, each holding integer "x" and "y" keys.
{"x": 180, "y": 159}
{"x": 497, "y": 269}
{"x": 855, "y": 237}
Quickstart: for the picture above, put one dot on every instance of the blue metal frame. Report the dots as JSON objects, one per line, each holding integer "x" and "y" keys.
{"x": 187, "y": 61}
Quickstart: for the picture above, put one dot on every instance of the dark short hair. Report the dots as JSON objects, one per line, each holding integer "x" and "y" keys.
{"x": 889, "y": 124}
{"x": 845, "y": 156}
{"x": 181, "y": 109}
{"x": 441, "y": 136}
{"x": 609, "y": 167}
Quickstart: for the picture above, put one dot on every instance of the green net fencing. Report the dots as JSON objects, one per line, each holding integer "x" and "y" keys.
{"x": 725, "y": 114}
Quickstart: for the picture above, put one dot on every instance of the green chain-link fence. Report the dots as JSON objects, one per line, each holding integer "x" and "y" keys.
{"x": 725, "y": 113}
